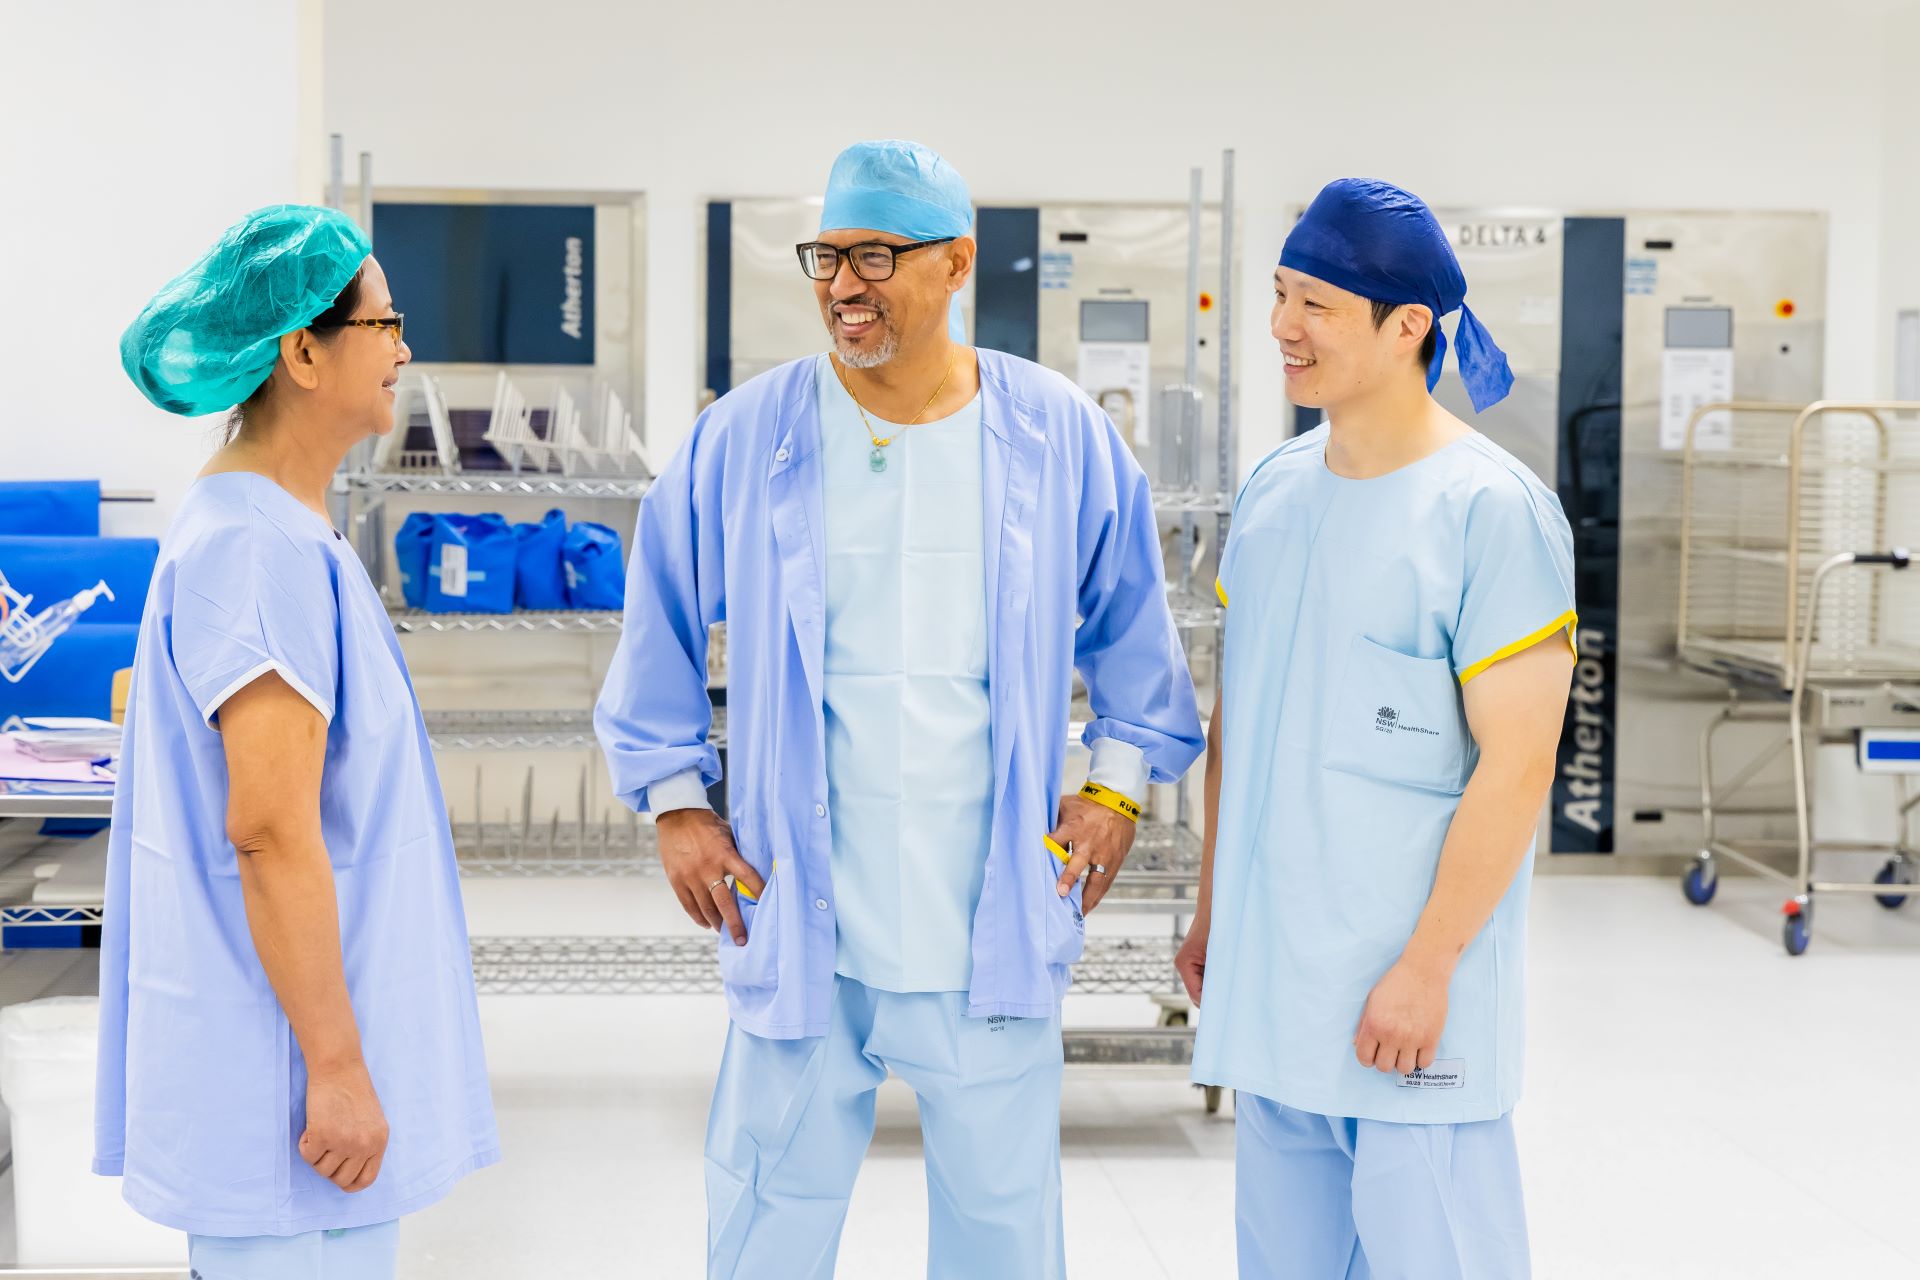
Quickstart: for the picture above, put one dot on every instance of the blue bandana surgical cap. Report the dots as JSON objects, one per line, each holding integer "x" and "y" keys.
{"x": 211, "y": 336}
{"x": 902, "y": 189}
{"x": 1383, "y": 243}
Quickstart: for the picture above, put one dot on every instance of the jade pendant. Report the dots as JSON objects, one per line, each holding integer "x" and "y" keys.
{"x": 877, "y": 461}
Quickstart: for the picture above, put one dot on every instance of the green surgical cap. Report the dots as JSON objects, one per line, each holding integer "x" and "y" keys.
{"x": 210, "y": 337}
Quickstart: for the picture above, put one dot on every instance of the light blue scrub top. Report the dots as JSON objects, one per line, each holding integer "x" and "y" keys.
{"x": 1356, "y": 611}
{"x": 909, "y": 719}
{"x": 202, "y": 1087}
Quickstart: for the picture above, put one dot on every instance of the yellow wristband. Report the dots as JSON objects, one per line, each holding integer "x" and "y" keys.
{"x": 1111, "y": 799}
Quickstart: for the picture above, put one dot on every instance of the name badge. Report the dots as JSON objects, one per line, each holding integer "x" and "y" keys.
{"x": 1448, "y": 1074}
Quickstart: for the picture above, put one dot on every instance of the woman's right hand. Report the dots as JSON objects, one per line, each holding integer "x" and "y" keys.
{"x": 1191, "y": 960}
{"x": 698, "y": 854}
{"x": 346, "y": 1136}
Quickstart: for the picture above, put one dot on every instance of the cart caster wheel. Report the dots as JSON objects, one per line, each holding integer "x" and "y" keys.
{"x": 1897, "y": 871}
{"x": 1795, "y": 934}
{"x": 1213, "y": 1099}
{"x": 1174, "y": 1017}
{"x": 1699, "y": 883}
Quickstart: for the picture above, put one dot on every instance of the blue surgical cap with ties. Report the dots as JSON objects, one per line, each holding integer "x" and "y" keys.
{"x": 1383, "y": 243}
{"x": 902, "y": 189}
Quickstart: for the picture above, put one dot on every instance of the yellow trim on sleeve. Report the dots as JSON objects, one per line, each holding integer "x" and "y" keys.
{"x": 1220, "y": 591}
{"x": 1568, "y": 620}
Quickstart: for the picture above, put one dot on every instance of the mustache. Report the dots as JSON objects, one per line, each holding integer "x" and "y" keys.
{"x": 863, "y": 303}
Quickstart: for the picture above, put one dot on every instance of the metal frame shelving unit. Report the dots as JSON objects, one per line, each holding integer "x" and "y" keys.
{"x": 18, "y": 915}
{"x": 564, "y": 621}
{"x": 1161, "y": 875}
{"x": 483, "y": 484}
{"x": 686, "y": 965}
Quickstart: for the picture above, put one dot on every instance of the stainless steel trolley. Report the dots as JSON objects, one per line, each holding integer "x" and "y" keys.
{"x": 1792, "y": 590}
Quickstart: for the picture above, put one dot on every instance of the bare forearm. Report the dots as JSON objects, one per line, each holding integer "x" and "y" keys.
{"x": 1491, "y": 836}
{"x": 287, "y": 884}
{"x": 1211, "y": 807}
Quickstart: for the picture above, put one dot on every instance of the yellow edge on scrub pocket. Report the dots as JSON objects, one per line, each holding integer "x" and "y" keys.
{"x": 1053, "y": 847}
{"x": 741, "y": 889}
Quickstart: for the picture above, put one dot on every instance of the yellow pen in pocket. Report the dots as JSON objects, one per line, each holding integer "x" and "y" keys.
{"x": 1053, "y": 847}
{"x": 742, "y": 889}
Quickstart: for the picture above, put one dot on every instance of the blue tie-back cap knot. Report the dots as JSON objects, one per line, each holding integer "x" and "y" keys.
{"x": 1383, "y": 243}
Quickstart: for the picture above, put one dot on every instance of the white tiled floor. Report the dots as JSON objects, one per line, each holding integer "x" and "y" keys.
{"x": 1699, "y": 1106}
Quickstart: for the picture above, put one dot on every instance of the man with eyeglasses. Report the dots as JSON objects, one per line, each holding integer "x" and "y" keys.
{"x": 914, "y": 545}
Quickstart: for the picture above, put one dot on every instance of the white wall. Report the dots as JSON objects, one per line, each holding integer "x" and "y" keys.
{"x": 131, "y": 134}
{"x": 1627, "y": 104}
{"x": 1900, "y": 165}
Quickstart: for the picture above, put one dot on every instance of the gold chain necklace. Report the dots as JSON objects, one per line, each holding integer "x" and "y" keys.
{"x": 877, "y": 461}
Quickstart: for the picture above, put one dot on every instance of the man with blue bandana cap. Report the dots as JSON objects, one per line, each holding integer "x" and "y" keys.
{"x": 1400, "y": 619}
{"x": 914, "y": 546}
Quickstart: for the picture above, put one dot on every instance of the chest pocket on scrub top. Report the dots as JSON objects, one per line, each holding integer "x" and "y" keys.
{"x": 1398, "y": 719}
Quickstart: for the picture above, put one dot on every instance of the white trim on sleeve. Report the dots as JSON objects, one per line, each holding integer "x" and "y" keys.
{"x": 298, "y": 685}
{"x": 684, "y": 790}
{"x": 1119, "y": 766}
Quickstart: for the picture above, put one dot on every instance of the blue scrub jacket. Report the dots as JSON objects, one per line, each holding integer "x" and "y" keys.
{"x": 733, "y": 532}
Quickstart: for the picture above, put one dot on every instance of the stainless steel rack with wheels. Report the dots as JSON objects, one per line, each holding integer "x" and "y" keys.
{"x": 1794, "y": 591}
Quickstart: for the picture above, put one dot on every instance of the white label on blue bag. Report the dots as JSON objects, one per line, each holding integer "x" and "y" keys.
{"x": 1450, "y": 1074}
{"x": 453, "y": 570}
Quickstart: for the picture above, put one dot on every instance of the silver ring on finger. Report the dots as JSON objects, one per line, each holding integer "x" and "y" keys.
{"x": 1099, "y": 870}
{"x": 716, "y": 884}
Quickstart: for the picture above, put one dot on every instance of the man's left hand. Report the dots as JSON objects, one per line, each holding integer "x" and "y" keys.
{"x": 1401, "y": 1025}
{"x": 1100, "y": 839}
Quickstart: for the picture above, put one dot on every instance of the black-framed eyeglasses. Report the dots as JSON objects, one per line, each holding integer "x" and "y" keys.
{"x": 870, "y": 259}
{"x": 397, "y": 322}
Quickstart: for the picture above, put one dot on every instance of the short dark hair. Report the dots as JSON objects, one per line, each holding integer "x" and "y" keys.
{"x": 329, "y": 321}
{"x": 1381, "y": 312}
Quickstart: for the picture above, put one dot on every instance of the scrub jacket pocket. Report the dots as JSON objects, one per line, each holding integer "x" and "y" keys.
{"x": 754, "y": 965}
{"x": 1066, "y": 926}
{"x": 1396, "y": 718}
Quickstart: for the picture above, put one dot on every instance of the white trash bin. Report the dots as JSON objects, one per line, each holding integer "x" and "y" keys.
{"x": 65, "y": 1215}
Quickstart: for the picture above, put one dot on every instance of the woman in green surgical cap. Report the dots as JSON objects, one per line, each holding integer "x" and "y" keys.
{"x": 290, "y": 1054}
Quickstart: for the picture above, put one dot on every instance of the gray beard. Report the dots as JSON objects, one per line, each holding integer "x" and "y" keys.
{"x": 856, "y": 358}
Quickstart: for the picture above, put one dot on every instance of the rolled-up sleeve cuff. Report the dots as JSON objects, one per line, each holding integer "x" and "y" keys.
{"x": 1120, "y": 766}
{"x": 684, "y": 790}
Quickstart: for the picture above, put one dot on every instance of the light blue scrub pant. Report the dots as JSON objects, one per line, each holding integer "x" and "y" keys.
{"x": 360, "y": 1253}
{"x": 1324, "y": 1198}
{"x": 792, "y": 1120}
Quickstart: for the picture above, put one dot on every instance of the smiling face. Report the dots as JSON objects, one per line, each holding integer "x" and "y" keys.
{"x": 339, "y": 372}
{"x": 363, "y": 363}
{"x": 873, "y": 321}
{"x": 1334, "y": 349}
